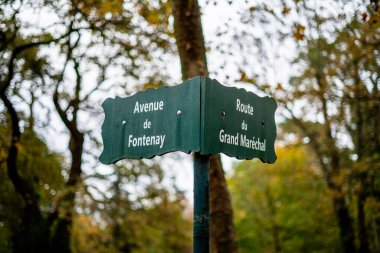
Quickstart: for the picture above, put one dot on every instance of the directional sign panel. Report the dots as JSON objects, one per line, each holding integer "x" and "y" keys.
{"x": 198, "y": 115}
{"x": 237, "y": 123}
{"x": 152, "y": 122}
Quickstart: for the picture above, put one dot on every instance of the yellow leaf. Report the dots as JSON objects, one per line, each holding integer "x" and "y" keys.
{"x": 286, "y": 10}
{"x": 299, "y": 32}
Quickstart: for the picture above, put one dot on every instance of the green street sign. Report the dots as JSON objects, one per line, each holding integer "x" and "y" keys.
{"x": 237, "y": 123}
{"x": 152, "y": 122}
{"x": 198, "y": 115}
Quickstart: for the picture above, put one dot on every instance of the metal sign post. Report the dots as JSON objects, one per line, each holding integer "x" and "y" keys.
{"x": 201, "y": 227}
{"x": 200, "y": 116}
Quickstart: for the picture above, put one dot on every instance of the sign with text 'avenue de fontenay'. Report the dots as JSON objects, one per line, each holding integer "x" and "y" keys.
{"x": 199, "y": 115}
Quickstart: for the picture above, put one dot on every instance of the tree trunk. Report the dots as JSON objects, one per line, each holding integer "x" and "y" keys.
{"x": 342, "y": 213}
{"x": 345, "y": 221}
{"x": 63, "y": 215}
{"x": 222, "y": 226}
{"x": 345, "y": 224}
{"x": 61, "y": 238}
{"x": 362, "y": 228}
{"x": 191, "y": 48}
{"x": 189, "y": 38}
{"x": 32, "y": 235}
{"x": 361, "y": 111}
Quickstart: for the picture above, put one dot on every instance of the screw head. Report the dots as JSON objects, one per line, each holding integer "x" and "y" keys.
{"x": 179, "y": 112}
{"x": 223, "y": 113}
{"x": 124, "y": 122}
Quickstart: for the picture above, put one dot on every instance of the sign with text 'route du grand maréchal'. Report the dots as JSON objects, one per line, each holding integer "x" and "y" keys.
{"x": 199, "y": 115}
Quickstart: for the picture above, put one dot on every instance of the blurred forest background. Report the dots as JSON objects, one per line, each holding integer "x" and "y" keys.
{"x": 60, "y": 59}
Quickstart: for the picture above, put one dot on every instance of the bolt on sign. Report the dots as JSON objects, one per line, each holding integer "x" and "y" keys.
{"x": 199, "y": 115}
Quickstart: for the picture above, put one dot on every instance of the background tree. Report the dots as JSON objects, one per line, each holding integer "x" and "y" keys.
{"x": 283, "y": 207}
{"x": 106, "y": 24}
{"x": 191, "y": 48}
{"x": 333, "y": 81}
{"x": 60, "y": 59}
{"x": 20, "y": 61}
{"x": 32, "y": 156}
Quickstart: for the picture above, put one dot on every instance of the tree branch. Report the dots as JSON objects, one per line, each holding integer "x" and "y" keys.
{"x": 313, "y": 141}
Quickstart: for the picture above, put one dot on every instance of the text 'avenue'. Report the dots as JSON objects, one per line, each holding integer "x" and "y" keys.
{"x": 149, "y": 107}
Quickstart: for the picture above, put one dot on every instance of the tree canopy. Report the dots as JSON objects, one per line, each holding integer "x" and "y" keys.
{"x": 59, "y": 60}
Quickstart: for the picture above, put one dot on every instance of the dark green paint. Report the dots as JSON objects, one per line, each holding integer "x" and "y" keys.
{"x": 181, "y": 130}
{"x": 201, "y": 226}
{"x": 206, "y": 107}
{"x": 219, "y": 104}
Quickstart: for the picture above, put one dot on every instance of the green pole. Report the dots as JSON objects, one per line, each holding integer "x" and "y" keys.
{"x": 201, "y": 203}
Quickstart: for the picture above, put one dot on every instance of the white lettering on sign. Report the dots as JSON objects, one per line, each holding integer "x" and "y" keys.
{"x": 146, "y": 140}
{"x": 148, "y": 107}
{"x": 147, "y": 124}
{"x": 228, "y": 138}
{"x": 252, "y": 143}
{"x": 245, "y": 108}
{"x": 153, "y": 140}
